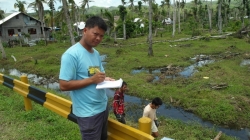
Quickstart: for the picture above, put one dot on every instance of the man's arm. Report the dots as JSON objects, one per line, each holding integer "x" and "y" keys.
{"x": 145, "y": 113}
{"x": 77, "y": 84}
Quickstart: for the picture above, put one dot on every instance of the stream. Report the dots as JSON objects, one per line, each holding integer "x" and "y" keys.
{"x": 136, "y": 105}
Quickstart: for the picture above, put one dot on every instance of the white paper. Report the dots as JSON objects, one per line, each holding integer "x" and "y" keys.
{"x": 109, "y": 84}
{"x": 165, "y": 138}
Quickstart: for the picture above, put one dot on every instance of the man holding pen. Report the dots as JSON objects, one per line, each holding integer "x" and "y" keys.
{"x": 81, "y": 70}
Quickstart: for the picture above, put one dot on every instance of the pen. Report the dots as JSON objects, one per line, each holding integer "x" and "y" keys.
{"x": 97, "y": 70}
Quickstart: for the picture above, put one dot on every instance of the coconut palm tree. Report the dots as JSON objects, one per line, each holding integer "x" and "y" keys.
{"x": 69, "y": 24}
{"x": 59, "y": 16}
{"x": 38, "y": 4}
{"x": 20, "y": 6}
{"x": 110, "y": 22}
{"x": 1, "y": 14}
{"x": 123, "y": 13}
{"x": 139, "y": 6}
{"x": 123, "y": 2}
{"x": 86, "y": 3}
{"x": 51, "y": 14}
{"x": 131, "y": 4}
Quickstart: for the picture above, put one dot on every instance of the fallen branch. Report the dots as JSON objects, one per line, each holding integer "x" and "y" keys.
{"x": 218, "y": 136}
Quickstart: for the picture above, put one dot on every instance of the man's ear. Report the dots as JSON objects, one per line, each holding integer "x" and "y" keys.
{"x": 84, "y": 30}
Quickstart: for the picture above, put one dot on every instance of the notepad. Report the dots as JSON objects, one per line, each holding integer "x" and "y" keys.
{"x": 109, "y": 84}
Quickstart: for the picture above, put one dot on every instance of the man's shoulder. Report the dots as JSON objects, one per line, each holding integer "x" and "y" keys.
{"x": 147, "y": 108}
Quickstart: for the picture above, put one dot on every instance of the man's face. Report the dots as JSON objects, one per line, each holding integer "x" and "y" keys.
{"x": 124, "y": 88}
{"x": 93, "y": 36}
{"x": 155, "y": 106}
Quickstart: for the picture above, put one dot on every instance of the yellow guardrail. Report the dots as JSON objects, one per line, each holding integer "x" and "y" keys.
{"x": 63, "y": 107}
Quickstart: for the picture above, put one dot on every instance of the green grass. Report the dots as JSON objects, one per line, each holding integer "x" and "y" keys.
{"x": 229, "y": 106}
{"x": 43, "y": 124}
{"x": 37, "y": 124}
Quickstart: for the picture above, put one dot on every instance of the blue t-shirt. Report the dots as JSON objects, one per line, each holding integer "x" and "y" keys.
{"x": 77, "y": 63}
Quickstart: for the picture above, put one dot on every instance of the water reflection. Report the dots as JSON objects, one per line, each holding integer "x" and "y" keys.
{"x": 245, "y": 62}
{"x": 186, "y": 72}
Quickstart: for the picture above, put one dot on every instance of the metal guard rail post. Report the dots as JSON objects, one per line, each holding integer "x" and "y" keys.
{"x": 63, "y": 107}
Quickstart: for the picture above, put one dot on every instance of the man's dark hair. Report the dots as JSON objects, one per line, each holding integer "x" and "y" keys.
{"x": 124, "y": 83}
{"x": 157, "y": 101}
{"x": 96, "y": 21}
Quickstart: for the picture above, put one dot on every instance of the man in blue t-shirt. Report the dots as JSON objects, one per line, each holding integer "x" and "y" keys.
{"x": 81, "y": 69}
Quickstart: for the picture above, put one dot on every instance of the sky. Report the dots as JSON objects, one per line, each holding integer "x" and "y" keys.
{"x": 8, "y": 5}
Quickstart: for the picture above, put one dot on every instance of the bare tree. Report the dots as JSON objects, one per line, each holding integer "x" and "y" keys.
{"x": 150, "y": 49}
{"x": 1, "y": 46}
{"x": 219, "y": 17}
{"x": 2, "y": 50}
{"x": 179, "y": 16}
{"x": 209, "y": 11}
{"x": 174, "y": 17}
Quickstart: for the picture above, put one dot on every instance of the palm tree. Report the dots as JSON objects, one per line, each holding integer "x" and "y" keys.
{"x": 74, "y": 14}
{"x": 86, "y": 2}
{"x": 131, "y": 5}
{"x": 123, "y": 2}
{"x": 59, "y": 16}
{"x": 66, "y": 13}
{"x": 139, "y": 6}
{"x": 20, "y": 6}
{"x": 123, "y": 13}
{"x": 110, "y": 22}
{"x": 38, "y": 4}
{"x": 51, "y": 15}
{"x": 1, "y": 14}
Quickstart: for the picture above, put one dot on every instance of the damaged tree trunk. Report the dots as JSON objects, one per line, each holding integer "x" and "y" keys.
{"x": 2, "y": 50}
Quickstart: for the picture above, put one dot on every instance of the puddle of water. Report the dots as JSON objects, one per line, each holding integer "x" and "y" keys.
{"x": 187, "y": 72}
{"x": 245, "y": 62}
{"x": 190, "y": 70}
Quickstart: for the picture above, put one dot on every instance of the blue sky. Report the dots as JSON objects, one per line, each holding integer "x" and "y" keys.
{"x": 8, "y": 5}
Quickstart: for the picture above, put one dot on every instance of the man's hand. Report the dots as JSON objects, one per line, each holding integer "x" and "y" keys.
{"x": 98, "y": 77}
{"x": 156, "y": 123}
{"x": 109, "y": 79}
